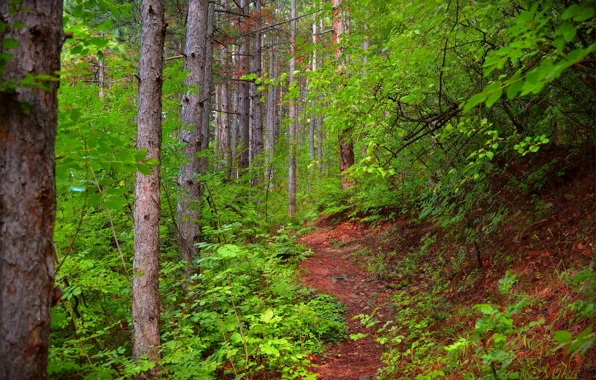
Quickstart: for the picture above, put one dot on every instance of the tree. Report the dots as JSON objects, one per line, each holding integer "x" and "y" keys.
{"x": 28, "y": 123}
{"x": 145, "y": 283}
{"x": 244, "y": 91}
{"x": 346, "y": 148}
{"x": 192, "y": 133}
{"x": 256, "y": 120}
{"x": 293, "y": 118}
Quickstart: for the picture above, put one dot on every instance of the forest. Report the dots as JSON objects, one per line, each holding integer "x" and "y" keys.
{"x": 291, "y": 189}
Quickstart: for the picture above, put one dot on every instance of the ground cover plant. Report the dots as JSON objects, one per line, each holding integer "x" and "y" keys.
{"x": 263, "y": 189}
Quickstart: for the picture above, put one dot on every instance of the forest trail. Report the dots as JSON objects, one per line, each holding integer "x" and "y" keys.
{"x": 330, "y": 271}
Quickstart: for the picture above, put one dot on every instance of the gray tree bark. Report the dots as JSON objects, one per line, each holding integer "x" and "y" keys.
{"x": 28, "y": 121}
{"x": 271, "y": 122}
{"x": 293, "y": 119}
{"x": 206, "y": 90}
{"x": 313, "y": 116}
{"x": 256, "y": 127}
{"x": 145, "y": 283}
{"x": 192, "y": 133}
{"x": 244, "y": 96}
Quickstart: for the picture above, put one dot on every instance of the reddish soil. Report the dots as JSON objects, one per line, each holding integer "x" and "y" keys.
{"x": 330, "y": 271}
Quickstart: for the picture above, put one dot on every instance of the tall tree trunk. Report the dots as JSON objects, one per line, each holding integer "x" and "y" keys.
{"x": 271, "y": 122}
{"x": 235, "y": 123}
{"x": 222, "y": 115}
{"x": 293, "y": 119}
{"x": 191, "y": 133}
{"x": 346, "y": 148}
{"x": 28, "y": 121}
{"x": 244, "y": 95}
{"x": 320, "y": 122}
{"x": 223, "y": 145}
{"x": 255, "y": 101}
{"x": 145, "y": 283}
{"x": 206, "y": 90}
{"x": 313, "y": 116}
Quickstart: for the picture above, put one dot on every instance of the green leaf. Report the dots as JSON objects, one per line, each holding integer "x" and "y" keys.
{"x": 514, "y": 89}
{"x": 18, "y": 25}
{"x": 494, "y": 97}
{"x": 570, "y": 12}
{"x": 490, "y": 155}
{"x": 407, "y": 99}
{"x": 563, "y": 337}
{"x": 474, "y": 101}
{"x": 151, "y": 162}
{"x": 75, "y": 115}
{"x": 358, "y": 336}
{"x": 146, "y": 170}
{"x": 141, "y": 154}
{"x": 584, "y": 15}
{"x": 486, "y": 308}
{"x": 267, "y": 316}
{"x": 78, "y": 11}
{"x": 10, "y": 43}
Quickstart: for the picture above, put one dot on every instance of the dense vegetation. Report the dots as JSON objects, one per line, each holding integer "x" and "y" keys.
{"x": 465, "y": 128}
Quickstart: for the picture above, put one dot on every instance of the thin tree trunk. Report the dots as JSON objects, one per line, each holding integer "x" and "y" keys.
{"x": 313, "y": 116}
{"x": 145, "y": 283}
{"x": 346, "y": 148}
{"x": 255, "y": 101}
{"x": 271, "y": 114}
{"x": 320, "y": 122}
{"x": 293, "y": 119}
{"x": 206, "y": 90}
{"x": 28, "y": 121}
{"x": 101, "y": 77}
{"x": 224, "y": 132}
{"x": 192, "y": 131}
{"x": 244, "y": 96}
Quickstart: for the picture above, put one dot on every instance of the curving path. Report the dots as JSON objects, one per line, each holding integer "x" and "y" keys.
{"x": 329, "y": 270}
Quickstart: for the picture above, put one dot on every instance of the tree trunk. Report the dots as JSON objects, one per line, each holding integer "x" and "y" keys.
{"x": 206, "y": 90}
{"x": 320, "y": 123}
{"x": 244, "y": 96}
{"x": 293, "y": 119}
{"x": 101, "y": 77}
{"x": 28, "y": 121}
{"x": 271, "y": 113}
{"x": 145, "y": 283}
{"x": 313, "y": 116}
{"x": 346, "y": 148}
{"x": 191, "y": 133}
{"x": 255, "y": 101}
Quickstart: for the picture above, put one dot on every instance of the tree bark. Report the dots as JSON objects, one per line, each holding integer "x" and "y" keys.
{"x": 313, "y": 116}
{"x": 244, "y": 95}
{"x": 271, "y": 123}
{"x": 145, "y": 283}
{"x": 320, "y": 122}
{"x": 28, "y": 122}
{"x": 346, "y": 147}
{"x": 192, "y": 132}
{"x": 256, "y": 134}
{"x": 101, "y": 77}
{"x": 206, "y": 90}
{"x": 293, "y": 119}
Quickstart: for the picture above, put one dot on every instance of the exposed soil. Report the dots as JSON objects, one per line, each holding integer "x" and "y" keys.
{"x": 330, "y": 271}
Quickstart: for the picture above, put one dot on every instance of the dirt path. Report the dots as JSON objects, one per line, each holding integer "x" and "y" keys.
{"x": 330, "y": 271}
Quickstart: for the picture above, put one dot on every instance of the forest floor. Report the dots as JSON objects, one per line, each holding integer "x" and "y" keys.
{"x": 402, "y": 271}
{"x": 330, "y": 271}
